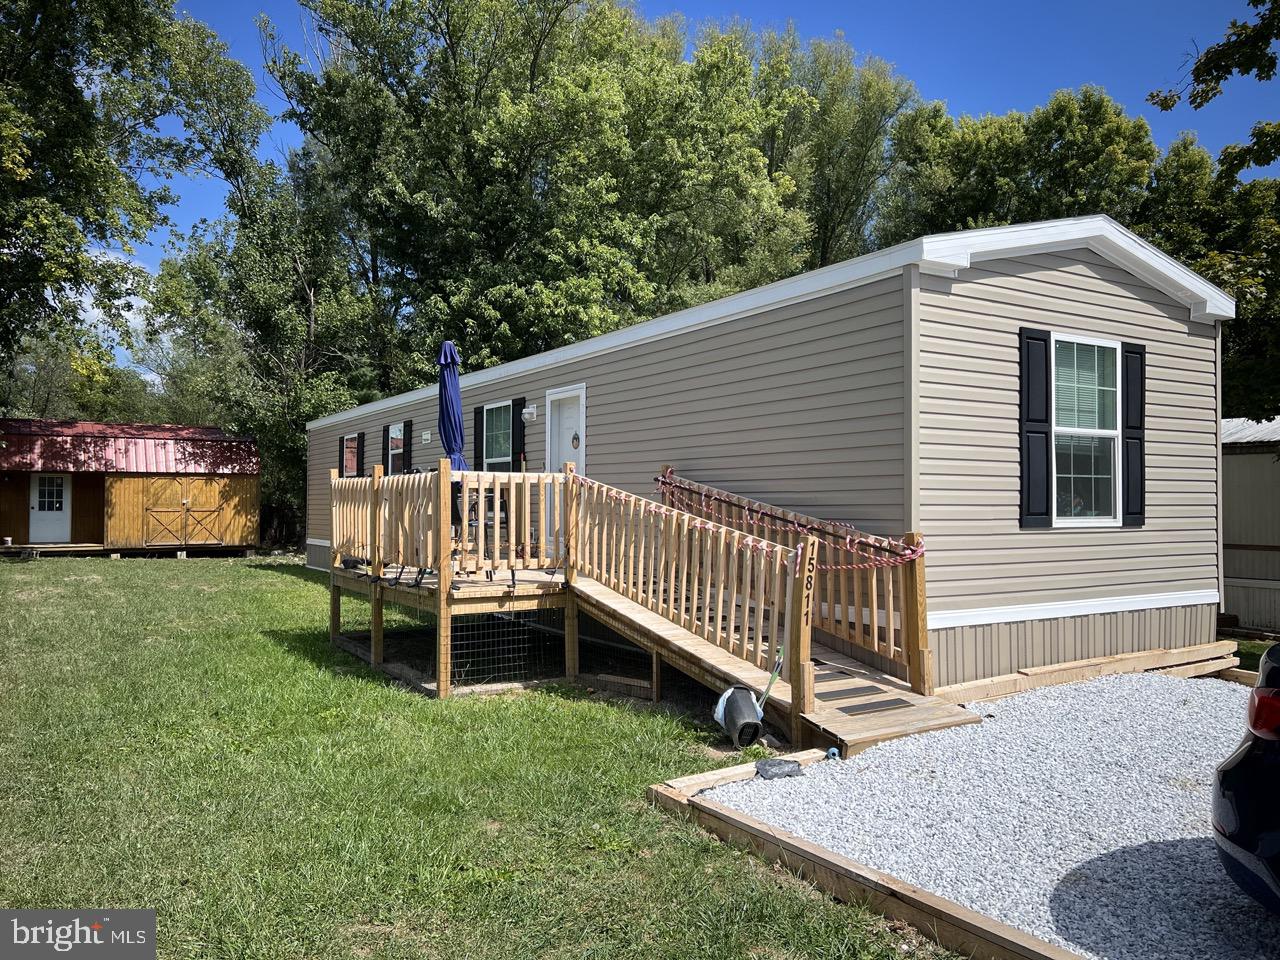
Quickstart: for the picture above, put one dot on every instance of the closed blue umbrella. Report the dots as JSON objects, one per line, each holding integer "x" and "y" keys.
{"x": 450, "y": 407}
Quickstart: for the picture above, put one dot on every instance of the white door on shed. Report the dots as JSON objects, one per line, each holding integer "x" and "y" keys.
{"x": 50, "y": 508}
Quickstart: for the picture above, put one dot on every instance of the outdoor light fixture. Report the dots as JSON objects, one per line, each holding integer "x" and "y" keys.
{"x": 529, "y": 413}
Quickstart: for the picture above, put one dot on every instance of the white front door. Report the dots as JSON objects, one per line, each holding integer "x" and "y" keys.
{"x": 566, "y": 435}
{"x": 50, "y": 508}
{"x": 567, "y": 427}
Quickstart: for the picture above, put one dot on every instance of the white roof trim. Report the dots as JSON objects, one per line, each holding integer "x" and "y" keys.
{"x": 945, "y": 253}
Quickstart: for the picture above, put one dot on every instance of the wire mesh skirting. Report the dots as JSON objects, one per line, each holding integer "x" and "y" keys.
{"x": 486, "y": 648}
{"x": 508, "y": 647}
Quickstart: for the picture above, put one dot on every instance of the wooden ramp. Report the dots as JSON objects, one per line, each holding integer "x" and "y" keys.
{"x": 856, "y": 706}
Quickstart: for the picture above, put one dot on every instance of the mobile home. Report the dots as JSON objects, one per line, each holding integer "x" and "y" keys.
{"x": 1040, "y": 401}
{"x": 1251, "y": 522}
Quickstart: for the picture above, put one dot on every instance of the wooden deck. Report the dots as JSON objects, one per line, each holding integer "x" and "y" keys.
{"x": 722, "y": 605}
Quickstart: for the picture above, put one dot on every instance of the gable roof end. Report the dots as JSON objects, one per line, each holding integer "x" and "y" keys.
{"x": 949, "y": 252}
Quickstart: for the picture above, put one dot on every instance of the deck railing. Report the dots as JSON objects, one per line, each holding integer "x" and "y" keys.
{"x": 409, "y": 529}
{"x": 870, "y": 589}
{"x": 350, "y": 499}
{"x": 509, "y": 521}
{"x": 745, "y": 593}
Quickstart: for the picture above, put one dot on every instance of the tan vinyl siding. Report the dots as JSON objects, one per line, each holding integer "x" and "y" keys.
{"x": 991, "y": 650}
{"x": 969, "y": 440}
{"x": 1251, "y": 515}
{"x": 800, "y": 405}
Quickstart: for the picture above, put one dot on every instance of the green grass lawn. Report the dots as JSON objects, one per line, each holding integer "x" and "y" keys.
{"x": 180, "y": 735}
{"x": 1250, "y": 651}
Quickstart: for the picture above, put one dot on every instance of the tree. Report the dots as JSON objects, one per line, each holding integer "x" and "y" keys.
{"x": 1248, "y": 49}
{"x": 1078, "y": 154}
{"x": 84, "y": 86}
{"x": 1229, "y": 232}
{"x": 257, "y": 325}
{"x": 63, "y": 379}
{"x": 520, "y": 175}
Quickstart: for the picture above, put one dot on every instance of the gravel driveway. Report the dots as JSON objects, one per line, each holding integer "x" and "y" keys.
{"x": 1079, "y": 813}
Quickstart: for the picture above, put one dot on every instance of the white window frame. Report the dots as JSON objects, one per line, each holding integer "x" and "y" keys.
{"x": 342, "y": 467}
{"x": 509, "y": 459}
{"x": 404, "y": 442}
{"x": 1070, "y": 522}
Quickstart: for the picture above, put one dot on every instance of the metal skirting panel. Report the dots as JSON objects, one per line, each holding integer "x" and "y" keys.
{"x": 980, "y": 651}
{"x": 1256, "y": 604}
{"x": 318, "y": 556}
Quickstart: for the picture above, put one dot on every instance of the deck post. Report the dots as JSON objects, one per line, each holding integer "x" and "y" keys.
{"x": 335, "y": 609}
{"x": 375, "y": 623}
{"x": 335, "y": 556}
{"x": 444, "y": 578}
{"x": 375, "y": 522}
{"x": 915, "y": 623}
{"x": 800, "y": 636}
{"x": 375, "y": 566}
{"x": 335, "y": 562}
{"x": 570, "y": 570}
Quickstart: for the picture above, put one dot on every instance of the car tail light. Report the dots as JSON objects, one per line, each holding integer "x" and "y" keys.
{"x": 1264, "y": 712}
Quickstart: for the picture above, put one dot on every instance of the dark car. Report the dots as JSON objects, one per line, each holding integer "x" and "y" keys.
{"x": 1246, "y": 797}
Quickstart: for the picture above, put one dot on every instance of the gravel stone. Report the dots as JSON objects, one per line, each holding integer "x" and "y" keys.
{"x": 1079, "y": 813}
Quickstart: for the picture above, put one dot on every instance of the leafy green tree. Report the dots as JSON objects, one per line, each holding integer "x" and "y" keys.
{"x": 1229, "y": 232}
{"x": 63, "y": 378}
{"x": 1247, "y": 49}
{"x": 257, "y": 325}
{"x": 84, "y": 88}
{"x": 1078, "y": 154}
{"x": 519, "y": 175}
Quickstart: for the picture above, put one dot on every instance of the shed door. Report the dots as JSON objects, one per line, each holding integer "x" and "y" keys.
{"x": 163, "y": 525}
{"x": 204, "y": 510}
{"x": 50, "y": 508}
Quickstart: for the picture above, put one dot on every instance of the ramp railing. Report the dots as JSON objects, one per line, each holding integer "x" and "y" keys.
{"x": 748, "y": 595}
{"x": 870, "y": 590}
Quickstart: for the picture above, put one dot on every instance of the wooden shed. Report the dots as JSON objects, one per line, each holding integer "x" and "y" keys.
{"x": 78, "y": 486}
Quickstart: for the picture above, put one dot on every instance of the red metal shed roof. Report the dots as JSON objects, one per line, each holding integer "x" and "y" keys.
{"x": 66, "y": 446}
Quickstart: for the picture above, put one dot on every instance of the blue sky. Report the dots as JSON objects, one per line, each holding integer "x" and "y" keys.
{"x": 982, "y": 57}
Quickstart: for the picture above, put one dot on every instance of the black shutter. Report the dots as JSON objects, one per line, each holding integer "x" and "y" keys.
{"x": 1035, "y": 412}
{"x": 360, "y": 454}
{"x": 1133, "y": 429}
{"x": 342, "y": 456}
{"x": 386, "y": 448}
{"x": 406, "y": 460}
{"x": 477, "y": 462}
{"x": 517, "y": 435}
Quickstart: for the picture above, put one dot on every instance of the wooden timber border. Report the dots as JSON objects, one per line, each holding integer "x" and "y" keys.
{"x": 1205, "y": 659}
{"x": 944, "y": 921}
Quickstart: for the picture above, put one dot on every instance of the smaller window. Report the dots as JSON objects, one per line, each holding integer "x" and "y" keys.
{"x": 497, "y": 436}
{"x": 395, "y": 448}
{"x": 49, "y": 495}
{"x": 351, "y": 455}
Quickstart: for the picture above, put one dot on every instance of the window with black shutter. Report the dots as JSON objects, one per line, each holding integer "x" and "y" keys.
{"x": 1133, "y": 417}
{"x": 1036, "y": 428}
